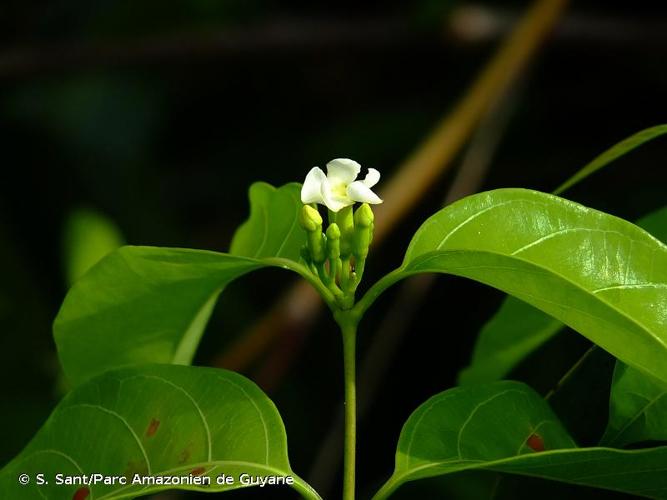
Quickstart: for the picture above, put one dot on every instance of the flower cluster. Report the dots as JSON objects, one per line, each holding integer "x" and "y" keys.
{"x": 338, "y": 255}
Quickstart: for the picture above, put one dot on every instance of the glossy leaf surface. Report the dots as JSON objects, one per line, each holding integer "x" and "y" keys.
{"x": 507, "y": 427}
{"x": 517, "y": 329}
{"x": 506, "y": 339}
{"x": 603, "y": 276}
{"x": 154, "y": 420}
{"x": 638, "y": 402}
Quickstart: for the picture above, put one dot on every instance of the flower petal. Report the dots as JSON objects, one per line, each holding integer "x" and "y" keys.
{"x": 342, "y": 171}
{"x": 372, "y": 178}
{"x": 331, "y": 200}
{"x": 311, "y": 192}
{"x": 358, "y": 191}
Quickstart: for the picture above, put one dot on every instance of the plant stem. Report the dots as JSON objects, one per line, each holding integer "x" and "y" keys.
{"x": 349, "y": 331}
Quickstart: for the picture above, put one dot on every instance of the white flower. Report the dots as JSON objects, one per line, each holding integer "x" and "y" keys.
{"x": 338, "y": 188}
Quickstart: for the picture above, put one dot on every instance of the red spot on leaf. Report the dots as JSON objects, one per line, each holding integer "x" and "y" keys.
{"x": 535, "y": 442}
{"x": 138, "y": 467}
{"x": 184, "y": 455}
{"x": 81, "y": 494}
{"x": 152, "y": 427}
{"x": 198, "y": 471}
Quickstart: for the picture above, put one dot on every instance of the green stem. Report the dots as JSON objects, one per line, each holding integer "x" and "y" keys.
{"x": 349, "y": 330}
{"x": 323, "y": 275}
{"x": 308, "y": 275}
{"x": 345, "y": 274}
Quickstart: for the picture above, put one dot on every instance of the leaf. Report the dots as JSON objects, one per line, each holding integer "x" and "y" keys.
{"x": 637, "y": 408}
{"x": 154, "y": 420}
{"x": 598, "y": 274}
{"x": 655, "y": 223}
{"x": 638, "y": 402}
{"x": 613, "y": 153}
{"x": 88, "y": 236}
{"x": 142, "y": 305}
{"x": 507, "y": 427}
{"x": 582, "y": 392}
{"x": 517, "y": 329}
{"x": 151, "y": 305}
{"x": 272, "y": 230}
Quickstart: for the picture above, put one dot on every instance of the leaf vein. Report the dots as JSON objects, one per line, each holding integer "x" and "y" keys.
{"x": 192, "y": 400}
{"x": 474, "y": 411}
{"x": 125, "y": 423}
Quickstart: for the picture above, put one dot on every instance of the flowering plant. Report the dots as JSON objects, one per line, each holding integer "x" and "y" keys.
{"x": 139, "y": 420}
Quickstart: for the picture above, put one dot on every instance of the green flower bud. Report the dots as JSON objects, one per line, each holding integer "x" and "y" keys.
{"x": 310, "y": 219}
{"x": 333, "y": 241}
{"x": 345, "y": 221}
{"x": 333, "y": 231}
{"x": 363, "y": 231}
{"x": 316, "y": 246}
{"x": 364, "y": 216}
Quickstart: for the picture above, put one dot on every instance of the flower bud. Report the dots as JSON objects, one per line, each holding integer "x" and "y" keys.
{"x": 310, "y": 219}
{"x": 345, "y": 221}
{"x": 333, "y": 241}
{"x": 363, "y": 231}
{"x": 364, "y": 216}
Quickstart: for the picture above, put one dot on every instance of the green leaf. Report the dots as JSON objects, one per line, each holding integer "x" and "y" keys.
{"x": 602, "y": 276}
{"x": 155, "y": 420}
{"x": 655, "y": 223}
{"x": 145, "y": 305}
{"x": 151, "y": 305}
{"x": 88, "y": 236}
{"x": 613, "y": 153}
{"x": 504, "y": 427}
{"x": 141, "y": 305}
{"x": 272, "y": 230}
{"x": 637, "y": 408}
{"x": 638, "y": 402}
{"x": 517, "y": 329}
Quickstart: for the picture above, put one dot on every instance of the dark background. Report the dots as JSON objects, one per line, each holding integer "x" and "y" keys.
{"x": 160, "y": 115}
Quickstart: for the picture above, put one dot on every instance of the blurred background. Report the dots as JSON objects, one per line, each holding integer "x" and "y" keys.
{"x": 145, "y": 122}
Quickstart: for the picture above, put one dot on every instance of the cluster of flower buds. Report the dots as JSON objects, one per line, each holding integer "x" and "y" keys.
{"x": 338, "y": 255}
